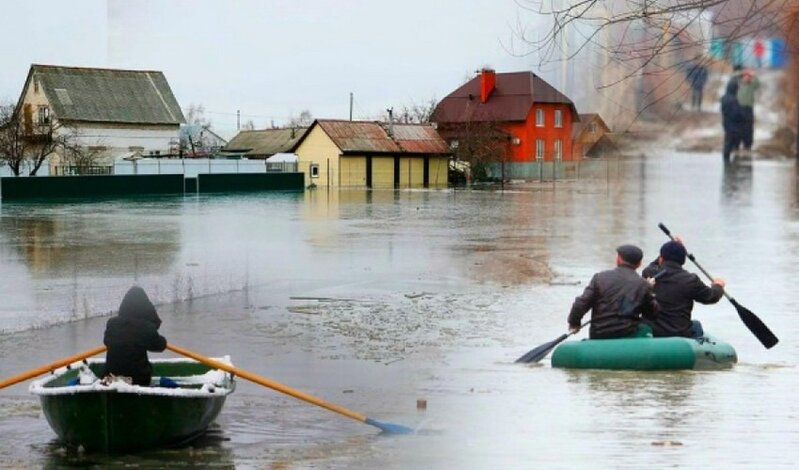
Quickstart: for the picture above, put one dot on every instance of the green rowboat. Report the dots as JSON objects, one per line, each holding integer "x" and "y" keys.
{"x": 119, "y": 417}
{"x": 646, "y": 353}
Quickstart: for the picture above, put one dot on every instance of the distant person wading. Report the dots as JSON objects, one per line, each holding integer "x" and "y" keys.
{"x": 748, "y": 84}
{"x": 732, "y": 120}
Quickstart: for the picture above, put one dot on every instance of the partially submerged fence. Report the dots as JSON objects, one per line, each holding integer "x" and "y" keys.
{"x": 595, "y": 169}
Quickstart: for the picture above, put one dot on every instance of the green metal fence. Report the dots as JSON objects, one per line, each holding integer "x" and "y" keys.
{"x": 56, "y": 187}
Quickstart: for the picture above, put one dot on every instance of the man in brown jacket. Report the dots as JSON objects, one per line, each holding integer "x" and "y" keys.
{"x": 617, "y": 298}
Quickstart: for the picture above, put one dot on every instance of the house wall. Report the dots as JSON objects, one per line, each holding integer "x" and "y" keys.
{"x": 120, "y": 139}
{"x": 353, "y": 171}
{"x": 439, "y": 172}
{"x": 382, "y": 172}
{"x": 33, "y": 99}
{"x": 527, "y": 132}
{"x": 318, "y": 148}
{"x": 411, "y": 172}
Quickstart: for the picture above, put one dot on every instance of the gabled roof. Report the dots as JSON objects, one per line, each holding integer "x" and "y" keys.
{"x": 513, "y": 96}
{"x": 107, "y": 95}
{"x": 374, "y": 137}
{"x": 585, "y": 119}
{"x": 265, "y": 142}
{"x": 195, "y": 130}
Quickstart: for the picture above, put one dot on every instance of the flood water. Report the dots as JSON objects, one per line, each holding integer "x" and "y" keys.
{"x": 374, "y": 300}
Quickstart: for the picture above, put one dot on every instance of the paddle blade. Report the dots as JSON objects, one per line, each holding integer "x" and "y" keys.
{"x": 535, "y": 355}
{"x": 755, "y": 325}
{"x": 389, "y": 428}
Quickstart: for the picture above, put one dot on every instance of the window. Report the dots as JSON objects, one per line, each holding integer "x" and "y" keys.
{"x": 592, "y": 128}
{"x": 539, "y": 149}
{"x": 36, "y": 86}
{"x": 314, "y": 170}
{"x": 44, "y": 115}
{"x": 558, "y": 118}
{"x": 539, "y": 117}
{"x": 558, "y": 149}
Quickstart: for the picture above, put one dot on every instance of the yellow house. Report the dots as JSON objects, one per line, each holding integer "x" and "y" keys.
{"x": 367, "y": 154}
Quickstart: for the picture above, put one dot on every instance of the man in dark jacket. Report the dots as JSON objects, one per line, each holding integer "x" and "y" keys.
{"x": 732, "y": 119}
{"x": 676, "y": 291}
{"x": 129, "y": 336}
{"x": 617, "y": 299}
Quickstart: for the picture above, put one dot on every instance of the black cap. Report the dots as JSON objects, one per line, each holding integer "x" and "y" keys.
{"x": 673, "y": 251}
{"x": 631, "y": 254}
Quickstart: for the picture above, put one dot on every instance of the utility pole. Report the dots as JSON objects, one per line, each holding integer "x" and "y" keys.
{"x": 238, "y": 119}
{"x": 350, "y": 106}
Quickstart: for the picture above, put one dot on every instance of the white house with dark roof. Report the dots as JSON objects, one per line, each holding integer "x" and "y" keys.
{"x": 108, "y": 111}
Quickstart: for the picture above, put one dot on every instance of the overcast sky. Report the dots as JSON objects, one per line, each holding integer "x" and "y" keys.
{"x": 271, "y": 59}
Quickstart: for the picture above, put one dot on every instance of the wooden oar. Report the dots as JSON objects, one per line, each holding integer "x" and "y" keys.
{"x": 51, "y": 367}
{"x": 755, "y": 325}
{"x": 536, "y": 354}
{"x": 385, "y": 427}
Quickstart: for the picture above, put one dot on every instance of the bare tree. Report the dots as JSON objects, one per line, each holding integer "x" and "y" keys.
{"x": 26, "y": 141}
{"x": 415, "y": 113}
{"x": 195, "y": 116}
{"x": 635, "y": 32}
{"x": 480, "y": 143}
{"x": 305, "y": 119}
{"x": 249, "y": 125}
{"x": 646, "y": 44}
{"x": 78, "y": 154}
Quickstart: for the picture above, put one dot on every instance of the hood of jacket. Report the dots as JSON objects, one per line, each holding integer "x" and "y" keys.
{"x": 136, "y": 305}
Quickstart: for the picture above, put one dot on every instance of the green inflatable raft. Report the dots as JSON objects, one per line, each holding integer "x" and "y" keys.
{"x": 646, "y": 353}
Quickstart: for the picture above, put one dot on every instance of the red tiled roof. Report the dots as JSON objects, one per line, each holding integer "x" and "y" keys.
{"x": 373, "y": 137}
{"x": 511, "y": 100}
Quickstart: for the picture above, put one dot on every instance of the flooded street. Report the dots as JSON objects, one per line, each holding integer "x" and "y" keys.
{"x": 374, "y": 300}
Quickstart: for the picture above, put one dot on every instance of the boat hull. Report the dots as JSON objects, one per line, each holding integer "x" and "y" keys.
{"x": 130, "y": 418}
{"x": 674, "y": 353}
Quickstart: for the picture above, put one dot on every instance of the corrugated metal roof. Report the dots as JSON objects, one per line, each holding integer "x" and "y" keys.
{"x": 513, "y": 96}
{"x": 266, "y": 142}
{"x": 108, "y": 95}
{"x": 419, "y": 138}
{"x": 359, "y": 136}
{"x": 373, "y": 137}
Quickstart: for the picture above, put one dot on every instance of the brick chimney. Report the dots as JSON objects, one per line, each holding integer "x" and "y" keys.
{"x": 488, "y": 80}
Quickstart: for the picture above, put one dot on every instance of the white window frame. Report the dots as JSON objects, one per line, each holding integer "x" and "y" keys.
{"x": 539, "y": 149}
{"x": 558, "y": 118}
{"x": 539, "y": 117}
{"x": 558, "y": 149}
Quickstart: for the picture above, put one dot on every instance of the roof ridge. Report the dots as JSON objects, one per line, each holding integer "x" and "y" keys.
{"x": 100, "y": 69}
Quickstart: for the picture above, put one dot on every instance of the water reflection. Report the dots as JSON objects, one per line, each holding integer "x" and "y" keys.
{"x": 670, "y": 393}
{"x": 736, "y": 185}
{"x": 53, "y": 241}
{"x": 208, "y": 451}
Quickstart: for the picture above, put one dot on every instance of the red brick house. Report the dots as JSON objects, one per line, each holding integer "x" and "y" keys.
{"x": 530, "y": 120}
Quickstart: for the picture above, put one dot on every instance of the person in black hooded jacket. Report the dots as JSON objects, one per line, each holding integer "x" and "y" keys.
{"x": 129, "y": 336}
{"x": 732, "y": 120}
